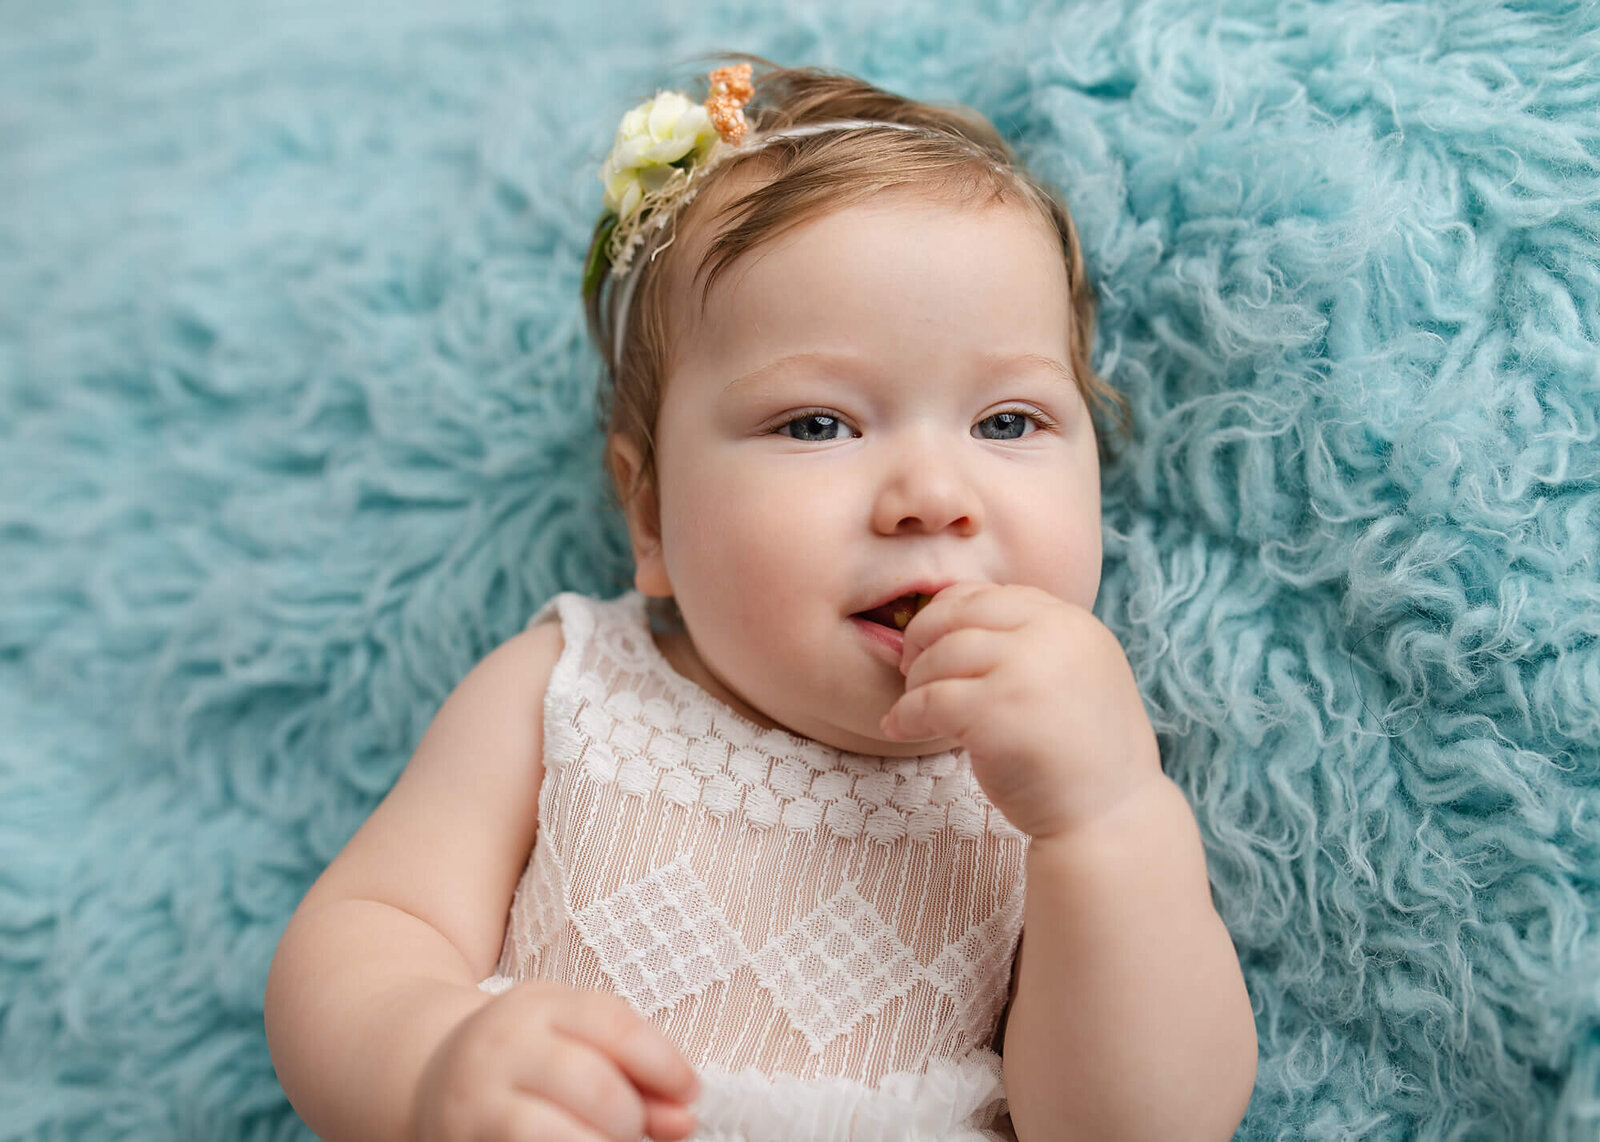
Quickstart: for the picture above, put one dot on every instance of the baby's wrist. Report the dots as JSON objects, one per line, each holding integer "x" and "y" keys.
{"x": 1137, "y": 813}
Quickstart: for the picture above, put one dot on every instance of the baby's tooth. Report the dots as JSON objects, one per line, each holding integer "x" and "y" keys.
{"x": 902, "y": 615}
{"x": 922, "y": 601}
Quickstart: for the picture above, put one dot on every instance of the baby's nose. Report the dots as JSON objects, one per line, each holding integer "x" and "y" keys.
{"x": 927, "y": 496}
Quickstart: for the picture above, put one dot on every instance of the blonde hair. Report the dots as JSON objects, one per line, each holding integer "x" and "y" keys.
{"x": 958, "y": 154}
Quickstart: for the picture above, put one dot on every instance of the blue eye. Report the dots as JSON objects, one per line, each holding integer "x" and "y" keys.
{"x": 1004, "y": 426}
{"x": 815, "y": 426}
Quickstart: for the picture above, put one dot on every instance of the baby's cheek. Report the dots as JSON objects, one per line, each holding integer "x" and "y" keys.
{"x": 740, "y": 564}
{"x": 1070, "y": 570}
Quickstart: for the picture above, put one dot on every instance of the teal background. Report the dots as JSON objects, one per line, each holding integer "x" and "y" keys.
{"x": 296, "y": 423}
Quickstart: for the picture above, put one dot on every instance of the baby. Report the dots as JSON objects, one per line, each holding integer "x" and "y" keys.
{"x": 848, "y": 822}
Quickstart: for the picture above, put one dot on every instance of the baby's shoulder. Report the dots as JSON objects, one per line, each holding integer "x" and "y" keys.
{"x": 532, "y": 653}
{"x": 515, "y": 671}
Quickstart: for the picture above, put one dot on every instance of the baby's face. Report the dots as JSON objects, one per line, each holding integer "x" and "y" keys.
{"x": 878, "y": 400}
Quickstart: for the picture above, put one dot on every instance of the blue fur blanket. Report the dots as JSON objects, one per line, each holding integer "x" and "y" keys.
{"x": 296, "y": 424}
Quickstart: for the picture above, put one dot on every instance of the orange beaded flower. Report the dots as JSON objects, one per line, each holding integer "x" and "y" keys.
{"x": 731, "y": 89}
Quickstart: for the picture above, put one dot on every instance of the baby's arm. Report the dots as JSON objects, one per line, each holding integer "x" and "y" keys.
{"x": 1129, "y": 1017}
{"x": 1127, "y": 972}
{"x": 372, "y": 994}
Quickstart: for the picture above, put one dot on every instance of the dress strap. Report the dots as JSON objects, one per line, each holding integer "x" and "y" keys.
{"x": 594, "y": 630}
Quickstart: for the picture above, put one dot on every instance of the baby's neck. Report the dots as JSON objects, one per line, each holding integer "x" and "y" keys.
{"x": 676, "y": 647}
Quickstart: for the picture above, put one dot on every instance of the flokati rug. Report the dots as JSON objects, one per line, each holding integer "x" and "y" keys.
{"x": 296, "y": 424}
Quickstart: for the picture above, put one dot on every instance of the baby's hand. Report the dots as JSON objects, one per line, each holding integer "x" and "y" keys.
{"x": 544, "y": 1062}
{"x": 1038, "y": 692}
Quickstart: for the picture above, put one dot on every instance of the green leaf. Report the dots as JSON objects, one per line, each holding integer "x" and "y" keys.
{"x": 594, "y": 264}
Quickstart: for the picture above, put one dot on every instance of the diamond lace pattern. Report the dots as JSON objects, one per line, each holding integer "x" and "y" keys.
{"x": 835, "y": 967}
{"x": 546, "y": 899}
{"x": 975, "y": 971}
{"x": 661, "y": 938}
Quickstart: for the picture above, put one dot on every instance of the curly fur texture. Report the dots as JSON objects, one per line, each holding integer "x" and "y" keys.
{"x": 296, "y": 424}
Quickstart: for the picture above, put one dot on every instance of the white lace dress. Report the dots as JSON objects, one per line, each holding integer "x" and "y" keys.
{"x": 827, "y": 936}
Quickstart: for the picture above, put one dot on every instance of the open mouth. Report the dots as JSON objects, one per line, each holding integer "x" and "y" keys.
{"x": 896, "y": 613}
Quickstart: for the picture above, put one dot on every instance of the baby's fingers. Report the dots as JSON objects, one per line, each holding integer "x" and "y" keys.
{"x": 586, "y": 1085}
{"x": 966, "y": 653}
{"x": 647, "y": 1057}
{"x": 940, "y": 709}
{"x": 966, "y": 605}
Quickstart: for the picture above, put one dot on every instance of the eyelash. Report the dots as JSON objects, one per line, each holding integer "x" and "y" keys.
{"x": 1044, "y": 423}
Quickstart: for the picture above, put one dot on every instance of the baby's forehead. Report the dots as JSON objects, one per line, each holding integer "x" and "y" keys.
{"x": 737, "y": 217}
{"x": 886, "y": 286}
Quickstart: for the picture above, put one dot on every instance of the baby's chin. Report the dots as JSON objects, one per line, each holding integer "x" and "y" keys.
{"x": 857, "y": 727}
{"x": 770, "y": 706}
{"x": 870, "y": 742}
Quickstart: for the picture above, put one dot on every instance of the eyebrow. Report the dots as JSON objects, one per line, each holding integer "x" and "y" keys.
{"x": 794, "y": 361}
{"x": 1033, "y": 362}
{"x": 1038, "y": 361}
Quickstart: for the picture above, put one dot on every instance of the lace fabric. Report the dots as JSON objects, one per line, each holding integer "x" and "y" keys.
{"x": 814, "y": 928}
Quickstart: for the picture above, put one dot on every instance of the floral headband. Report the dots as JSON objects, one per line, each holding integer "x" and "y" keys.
{"x": 663, "y": 149}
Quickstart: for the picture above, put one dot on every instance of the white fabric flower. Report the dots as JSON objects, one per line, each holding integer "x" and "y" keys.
{"x": 653, "y": 136}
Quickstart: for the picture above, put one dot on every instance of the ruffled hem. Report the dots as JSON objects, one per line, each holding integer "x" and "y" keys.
{"x": 953, "y": 1101}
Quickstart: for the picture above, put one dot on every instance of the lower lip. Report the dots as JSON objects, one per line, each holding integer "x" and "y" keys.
{"x": 887, "y": 643}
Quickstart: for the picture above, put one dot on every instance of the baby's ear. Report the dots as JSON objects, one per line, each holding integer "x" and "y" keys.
{"x": 637, "y": 492}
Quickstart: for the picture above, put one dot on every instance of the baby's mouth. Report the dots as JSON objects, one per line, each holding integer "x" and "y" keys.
{"x": 897, "y": 613}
